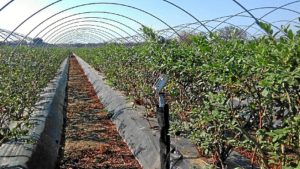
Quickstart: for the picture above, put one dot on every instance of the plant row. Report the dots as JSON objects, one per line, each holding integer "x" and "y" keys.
{"x": 225, "y": 94}
{"x": 23, "y": 75}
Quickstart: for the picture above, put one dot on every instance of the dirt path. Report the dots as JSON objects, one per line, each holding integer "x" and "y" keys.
{"x": 91, "y": 139}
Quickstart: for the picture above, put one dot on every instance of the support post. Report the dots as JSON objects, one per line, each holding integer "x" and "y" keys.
{"x": 164, "y": 139}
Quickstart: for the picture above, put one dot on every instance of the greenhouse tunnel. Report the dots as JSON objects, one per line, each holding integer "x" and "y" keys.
{"x": 149, "y": 84}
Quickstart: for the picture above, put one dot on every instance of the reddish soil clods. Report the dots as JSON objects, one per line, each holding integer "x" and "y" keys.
{"x": 91, "y": 139}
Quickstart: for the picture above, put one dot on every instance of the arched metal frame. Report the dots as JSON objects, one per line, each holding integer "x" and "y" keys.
{"x": 249, "y": 10}
{"x": 102, "y": 18}
{"x": 14, "y": 35}
{"x": 205, "y": 25}
{"x": 178, "y": 7}
{"x": 81, "y": 41}
{"x": 91, "y": 40}
{"x": 241, "y": 27}
{"x": 78, "y": 20}
{"x": 286, "y": 22}
{"x": 280, "y": 7}
{"x": 1, "y": 35}
{"x": 90, "y": 12}
{"x": 74, "y": 37}
{"x": 85, "y": 35}
{"x": 237, "y": 15}
{"x": 8, "y": 3}
{"x": 208, "y": 21}
{"x": 97, "y": 31}
{"x": 228, "y": 23}
{"x": 95, "y": 12}
{"x": 89, "y": 37}
{"x": 99, "y": 3}
{"x": 103, "y": 33}
{"x": 4, "y": 35}
{"x": 40, "y": 10}
{"x": 85, "y": 25}
{"x": 58, "y": 33}
{"x": 119, "y": 4}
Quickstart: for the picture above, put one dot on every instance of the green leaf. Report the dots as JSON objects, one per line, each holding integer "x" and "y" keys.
{"x": 290, "y": 34}
{"x": 265, "y": 92}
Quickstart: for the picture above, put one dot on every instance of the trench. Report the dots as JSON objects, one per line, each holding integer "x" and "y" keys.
{"x": 90, "y": 139}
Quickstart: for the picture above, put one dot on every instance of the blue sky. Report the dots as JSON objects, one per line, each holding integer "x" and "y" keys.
{"x": 19, "y": 10}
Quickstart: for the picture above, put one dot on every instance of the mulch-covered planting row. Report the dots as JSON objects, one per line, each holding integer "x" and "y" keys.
{"x": 91, "y": 139}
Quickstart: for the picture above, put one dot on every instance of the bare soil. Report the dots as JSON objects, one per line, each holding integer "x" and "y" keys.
{"x": 91, "y": 139}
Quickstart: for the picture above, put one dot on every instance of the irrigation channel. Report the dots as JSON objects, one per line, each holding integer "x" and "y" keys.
{"x": 91, "y": 140}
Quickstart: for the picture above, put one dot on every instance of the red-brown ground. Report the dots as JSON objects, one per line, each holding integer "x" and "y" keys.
{"x": 91, "y": 139}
